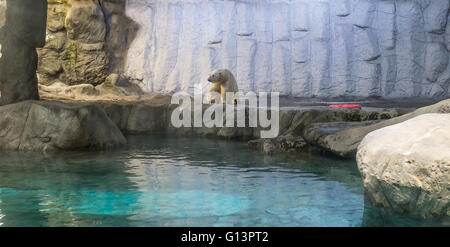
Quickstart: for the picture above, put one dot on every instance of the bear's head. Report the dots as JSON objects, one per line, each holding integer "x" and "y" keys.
{"x": 217, "y": 76}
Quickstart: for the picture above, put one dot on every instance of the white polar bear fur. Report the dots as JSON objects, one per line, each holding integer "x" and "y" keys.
{"x": 223, "y": 81}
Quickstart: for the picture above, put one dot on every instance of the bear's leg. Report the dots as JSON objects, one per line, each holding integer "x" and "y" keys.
{"x": 215, "y": 89}
{"x": 223, "y": 96}
{"x": 211, "y": 97}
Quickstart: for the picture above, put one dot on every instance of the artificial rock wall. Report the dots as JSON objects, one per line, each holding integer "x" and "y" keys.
{"x": 86, "y": 41}
{"x": 306, "y": 48}
{"x": 323, "y": 48}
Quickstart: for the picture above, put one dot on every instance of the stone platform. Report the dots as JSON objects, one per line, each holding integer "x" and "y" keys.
{"x": 334, "y": 130}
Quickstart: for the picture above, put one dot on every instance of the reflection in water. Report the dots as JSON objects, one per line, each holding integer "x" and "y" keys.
{"x": 168, "y": 181}
{"x": 1, "y": 215}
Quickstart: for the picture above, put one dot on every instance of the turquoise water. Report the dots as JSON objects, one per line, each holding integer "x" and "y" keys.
{"x": 170, "y": 181}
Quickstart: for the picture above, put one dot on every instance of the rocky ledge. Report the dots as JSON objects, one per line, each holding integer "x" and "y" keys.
{"x": 153, "y": 115}
{"x": 53, "y": 125}
{"x": 406, "y": 167}
{"x": 302, "y": 126}
{"x": 136, "y": 112}
{"x": 343, "y": 139}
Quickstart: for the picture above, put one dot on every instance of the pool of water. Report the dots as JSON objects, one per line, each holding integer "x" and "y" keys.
{"x": 174, "y": 181}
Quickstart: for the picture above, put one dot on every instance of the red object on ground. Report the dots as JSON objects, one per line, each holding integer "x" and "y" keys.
{"x": 347, "y": 106}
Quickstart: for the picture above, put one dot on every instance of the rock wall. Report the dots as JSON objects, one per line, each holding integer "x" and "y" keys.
{"x": 86, "y": 41}
{"x": 22, "y": 30}
{"x": 305, "y": 48}
{"x": 323, "y": 48}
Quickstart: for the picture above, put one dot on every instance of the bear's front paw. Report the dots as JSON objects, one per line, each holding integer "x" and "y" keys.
{"x": 210, "y": 99}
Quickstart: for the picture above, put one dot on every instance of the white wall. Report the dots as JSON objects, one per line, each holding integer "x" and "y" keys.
{"x": 303, "y": 48}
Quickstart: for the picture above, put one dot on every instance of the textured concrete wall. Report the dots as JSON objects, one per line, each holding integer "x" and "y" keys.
{"x": 303, "y": 48}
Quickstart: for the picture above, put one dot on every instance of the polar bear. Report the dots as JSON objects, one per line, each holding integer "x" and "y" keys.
{"x": 223, "y": 81}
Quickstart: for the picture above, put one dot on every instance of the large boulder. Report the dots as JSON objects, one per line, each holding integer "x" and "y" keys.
{"x": 345, "y": 143}
{"x": 52, "y": 125}
{"x": 406, "y": 167}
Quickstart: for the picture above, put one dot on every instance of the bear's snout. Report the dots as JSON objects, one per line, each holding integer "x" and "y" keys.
{"x": 210, "y": 79}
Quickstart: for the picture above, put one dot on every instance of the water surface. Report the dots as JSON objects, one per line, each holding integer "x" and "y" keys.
{"x": 178, "y": 181}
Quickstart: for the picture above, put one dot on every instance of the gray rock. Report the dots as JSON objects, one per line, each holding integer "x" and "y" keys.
{"x": 84, "y": 63}
{"x": 282, "y": 144}
{"x": 297, "y": 122}
{"x": 120, "y": 33}
{"x": 82, "y": 38}
{"x": 152, "y": 114}
{"x": 316, "y": 134}
{"x": 50, "y": 65}
{"x": 118, "y": 85}
{"x": 55, "y": 17}
{"x": 148, "y": 118}
{"x": 60, "y": 90}
{"x": 406, "y": 167}
{"x": 52, "y": 125}
{"x": 85, "y": 22}
{"x": 345, "y": 143}
{"x": 22, "y": 33}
